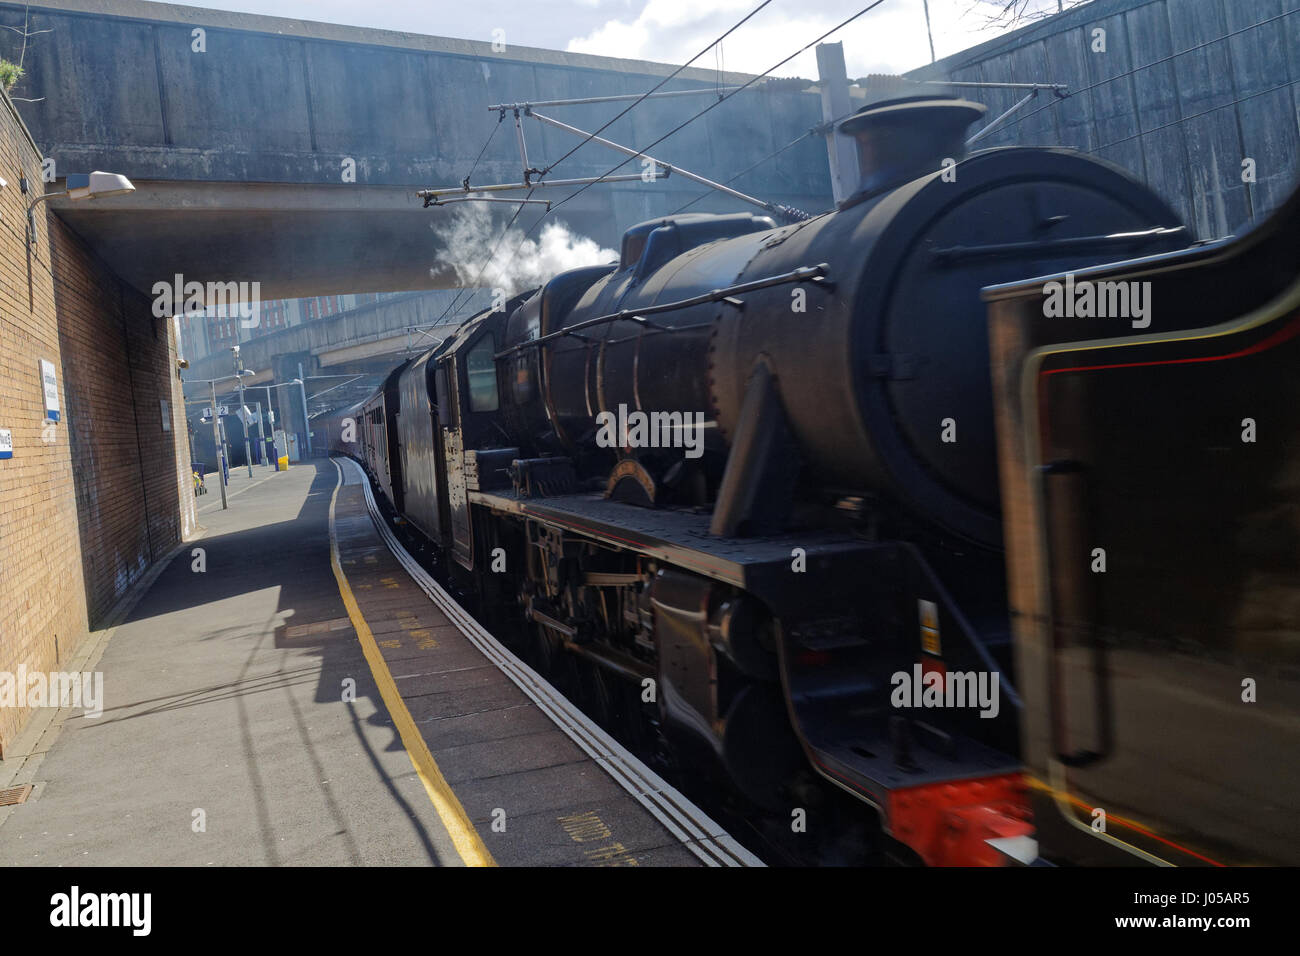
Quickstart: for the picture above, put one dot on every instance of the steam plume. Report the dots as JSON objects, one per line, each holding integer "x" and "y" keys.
{"x": 469, "y": 237}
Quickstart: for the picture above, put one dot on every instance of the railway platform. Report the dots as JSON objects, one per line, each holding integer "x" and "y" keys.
{"x": 292, "y": 688}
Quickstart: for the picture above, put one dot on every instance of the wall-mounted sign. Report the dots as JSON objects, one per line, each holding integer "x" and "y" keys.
{"x": 6, "y": 443}
{"x": 51, "y": 386}
{"x": 166, "y": 415}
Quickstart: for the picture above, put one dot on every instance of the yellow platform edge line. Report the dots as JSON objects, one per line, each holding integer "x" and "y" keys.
{"x": 453, "y": 816}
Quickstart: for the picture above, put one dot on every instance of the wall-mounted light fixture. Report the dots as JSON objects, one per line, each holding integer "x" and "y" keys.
{"x": 94, "y": 185}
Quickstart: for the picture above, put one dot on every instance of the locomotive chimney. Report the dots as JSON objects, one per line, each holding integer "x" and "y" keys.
{"x": 901, "y": 139}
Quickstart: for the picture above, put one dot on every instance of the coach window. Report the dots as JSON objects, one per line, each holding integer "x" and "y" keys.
{"x": 482, "y": 371}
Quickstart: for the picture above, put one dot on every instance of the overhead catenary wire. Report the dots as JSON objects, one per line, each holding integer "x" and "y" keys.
{"x": 590, "y": 136}
{"x": 712, "y": 46}
{"x": 676, "y": 129}
{"x": 813, "y": 131}
{"x": 817, "y": 129}
{"x": 673, "y": 131}
{"x": 1184, "y": 119}
{"x": 831, "y": 123}
{"x": 1147, "y": 66}
{"x": 487, "y": 142}
{"x": 465, "y": 181}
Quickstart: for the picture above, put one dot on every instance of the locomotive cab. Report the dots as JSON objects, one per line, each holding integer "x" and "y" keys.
{"x": 468, "y": 403}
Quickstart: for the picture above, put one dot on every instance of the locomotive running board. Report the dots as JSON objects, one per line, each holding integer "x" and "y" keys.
{"x": 836, "y": 658}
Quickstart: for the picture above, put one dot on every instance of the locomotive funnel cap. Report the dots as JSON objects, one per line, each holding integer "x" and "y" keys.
{"x": 901, "y": 139}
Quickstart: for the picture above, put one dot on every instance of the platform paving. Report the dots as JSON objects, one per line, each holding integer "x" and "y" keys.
{"x": 244, "y": 725}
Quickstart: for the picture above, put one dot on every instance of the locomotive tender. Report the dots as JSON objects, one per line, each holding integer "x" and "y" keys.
{"x": 836, "y": 531}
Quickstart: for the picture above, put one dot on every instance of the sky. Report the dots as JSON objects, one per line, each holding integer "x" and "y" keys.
{"x": 889, "y": 39}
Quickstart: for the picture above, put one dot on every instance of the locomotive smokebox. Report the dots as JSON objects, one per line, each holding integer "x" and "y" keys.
{"x": 906, "y": 137}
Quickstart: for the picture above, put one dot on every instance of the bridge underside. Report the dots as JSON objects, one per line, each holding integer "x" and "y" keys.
{"x": 241, "y": 147}
{"x": 294, "y": 240}
{"x": 304, "y": 240}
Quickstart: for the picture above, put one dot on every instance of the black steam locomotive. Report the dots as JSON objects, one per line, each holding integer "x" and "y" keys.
{"x": 750, "y": 472}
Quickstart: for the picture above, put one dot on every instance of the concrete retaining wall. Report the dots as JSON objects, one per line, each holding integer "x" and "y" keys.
{"x": 1182, "y": 123}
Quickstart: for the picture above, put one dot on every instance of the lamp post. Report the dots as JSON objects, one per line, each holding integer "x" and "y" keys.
{"x": 239, "y": 374}
{"x": 216, "y": 443}
{"x": 306, "y": 423}
{"x": 216, "y": 428}
{"x": 268, "y": 411}
{"x": 261, "y": 432}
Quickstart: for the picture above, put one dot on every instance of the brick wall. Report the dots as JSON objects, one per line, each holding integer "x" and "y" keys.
{"x": 42, "y": 597}
{"x": 118, "y": 367}
{"x": 88, "y": 504}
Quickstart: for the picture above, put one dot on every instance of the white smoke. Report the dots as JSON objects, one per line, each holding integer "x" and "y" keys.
{"x": 482, "y": 257}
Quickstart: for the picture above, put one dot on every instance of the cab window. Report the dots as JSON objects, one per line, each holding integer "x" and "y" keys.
{"x": 480, "y": 367}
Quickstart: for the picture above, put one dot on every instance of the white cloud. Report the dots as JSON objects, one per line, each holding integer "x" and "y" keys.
{"x": 889, "y": 39}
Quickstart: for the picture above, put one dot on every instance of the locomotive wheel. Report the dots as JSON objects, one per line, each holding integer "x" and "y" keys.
{"x": 760, "y": 749}
{"x": 599, "y": 694}
{"x": 557, "y": 665}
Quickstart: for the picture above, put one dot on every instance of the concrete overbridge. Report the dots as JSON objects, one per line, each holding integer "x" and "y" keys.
{"x": 288, "y": 153}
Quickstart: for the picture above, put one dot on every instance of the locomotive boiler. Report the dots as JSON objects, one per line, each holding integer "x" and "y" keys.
{"x": 864, "y": 326}
{"x": 747, "y": 473}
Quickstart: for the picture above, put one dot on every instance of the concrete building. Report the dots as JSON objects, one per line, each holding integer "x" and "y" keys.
{"x": 218, "y": 328}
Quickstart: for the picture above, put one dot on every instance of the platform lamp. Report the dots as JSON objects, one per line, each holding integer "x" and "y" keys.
{"x": 78, "y": 186}
{"x": 306, "y": 419}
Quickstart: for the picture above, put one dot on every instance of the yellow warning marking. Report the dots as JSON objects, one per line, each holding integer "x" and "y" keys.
{"x": 410, "y": 623}
{"x": 391, "y": 645}
{"x": 585, "y": 827}
{"x": 588, "y": 828}
{"x": 463, "y": 835}
{"x": 613, "y": 855}
{"x": 320, "y": 627}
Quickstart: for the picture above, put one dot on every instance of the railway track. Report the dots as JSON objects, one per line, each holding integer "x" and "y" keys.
{"x": 686, "y": 821}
